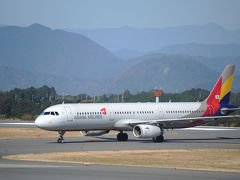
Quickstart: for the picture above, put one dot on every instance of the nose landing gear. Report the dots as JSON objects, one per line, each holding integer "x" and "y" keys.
{"x": 60, "y": 139}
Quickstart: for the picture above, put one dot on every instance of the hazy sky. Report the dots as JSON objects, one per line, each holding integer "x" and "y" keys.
{"x": 117, "y": 13}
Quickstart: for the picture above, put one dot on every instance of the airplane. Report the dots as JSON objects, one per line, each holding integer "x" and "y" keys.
{"x": 145, "y": 120}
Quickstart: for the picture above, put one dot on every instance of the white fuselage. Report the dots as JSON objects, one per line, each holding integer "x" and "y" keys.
{"x": 113, "y": 116}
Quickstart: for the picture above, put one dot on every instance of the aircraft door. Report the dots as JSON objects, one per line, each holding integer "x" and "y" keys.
{"x": 69, "y": 113}
{"x": 161, "y": 114}
{"x": 110, "y": 113}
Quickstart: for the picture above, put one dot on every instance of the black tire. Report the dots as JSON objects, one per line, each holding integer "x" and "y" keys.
{"x": 158, "y": 139}
{"x": 119, "y": 137}
{"x": 122, "y": 137}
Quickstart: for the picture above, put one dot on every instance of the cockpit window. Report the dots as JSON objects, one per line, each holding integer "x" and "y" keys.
{"x": 46, "y": 113}
{"x": 51, "y": 113}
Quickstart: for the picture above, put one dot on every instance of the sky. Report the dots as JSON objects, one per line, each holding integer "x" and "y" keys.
{"x": 94, "y": 14}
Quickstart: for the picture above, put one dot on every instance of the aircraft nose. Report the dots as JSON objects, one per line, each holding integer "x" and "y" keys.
{"x": 40, "y": 122}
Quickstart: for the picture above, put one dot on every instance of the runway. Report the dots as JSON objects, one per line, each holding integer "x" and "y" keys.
{"x": 177, "y": 139}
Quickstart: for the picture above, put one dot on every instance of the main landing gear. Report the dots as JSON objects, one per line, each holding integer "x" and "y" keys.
{"x": 159, "y": 138}
{"x": 60, "y": 139}
{"x": 122, "y": 136}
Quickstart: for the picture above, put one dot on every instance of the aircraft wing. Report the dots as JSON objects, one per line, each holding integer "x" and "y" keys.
{"x": 172, "y": 120}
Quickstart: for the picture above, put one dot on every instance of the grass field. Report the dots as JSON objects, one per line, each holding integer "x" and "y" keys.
{"x": 227, "y": 160}
{"x": 23, "y": 133}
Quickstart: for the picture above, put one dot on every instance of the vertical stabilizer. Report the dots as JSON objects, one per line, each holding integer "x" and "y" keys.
{"x": 222, "y": 90}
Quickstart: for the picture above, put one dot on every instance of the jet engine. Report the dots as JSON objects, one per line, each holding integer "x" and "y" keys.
{"x": 146, "y": 131}
{"x": 94, "y": 133}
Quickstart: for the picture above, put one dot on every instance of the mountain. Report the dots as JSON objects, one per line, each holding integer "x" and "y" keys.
{"x": 74, "y": 64}
{"x": 127, "y": 53}
{"x": 40, "y": 49}
{"x": 218, "y": 64}
{"x": 215, "y": 57}
{"x": 14, "y": 78}
{"x": 170, "y": 73}
{"x": 150, "y": 39}
{"x": 206, "y": 50}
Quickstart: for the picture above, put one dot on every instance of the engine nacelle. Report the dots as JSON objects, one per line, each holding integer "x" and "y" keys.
{"x": 146, "y": 131}
{"x": 94, "y": 133}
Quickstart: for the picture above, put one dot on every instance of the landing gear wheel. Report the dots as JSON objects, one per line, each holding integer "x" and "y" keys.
{"x": 60, "y": 139}
{"x": 122, "y": 136}
{"x": 158, "y": 139}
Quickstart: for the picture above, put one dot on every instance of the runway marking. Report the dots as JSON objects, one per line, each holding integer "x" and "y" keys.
{"x": 190, "y": 141}
{"x": 227, "y": 160}
{"x": 6, "y": 165}
{"x": 212, "y": 128}
{"x": 28, "y": 124}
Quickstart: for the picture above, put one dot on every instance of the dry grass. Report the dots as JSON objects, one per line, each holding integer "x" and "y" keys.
{"x": 24, "y": 133}
{"x": 196, "y": 159}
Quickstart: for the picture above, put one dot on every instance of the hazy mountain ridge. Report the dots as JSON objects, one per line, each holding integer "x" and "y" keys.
{"x": 11, "y": 78}
{"x": 205, "y": 50}
{"x": 37, "y": 55}
{"x": 127, "y": 53}
{"x": 40, "y": 49}
{"x": 150, "y": 39}
{"x": 170, "y": 73}
{"x": 75, "y": 63}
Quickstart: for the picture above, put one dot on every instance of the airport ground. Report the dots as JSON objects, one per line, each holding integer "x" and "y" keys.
{"x": 214, "y": 138}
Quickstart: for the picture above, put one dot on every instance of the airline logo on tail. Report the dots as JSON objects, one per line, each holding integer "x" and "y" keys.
{"x": 222, "y": 90}
{"x": 220, "y": 95}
